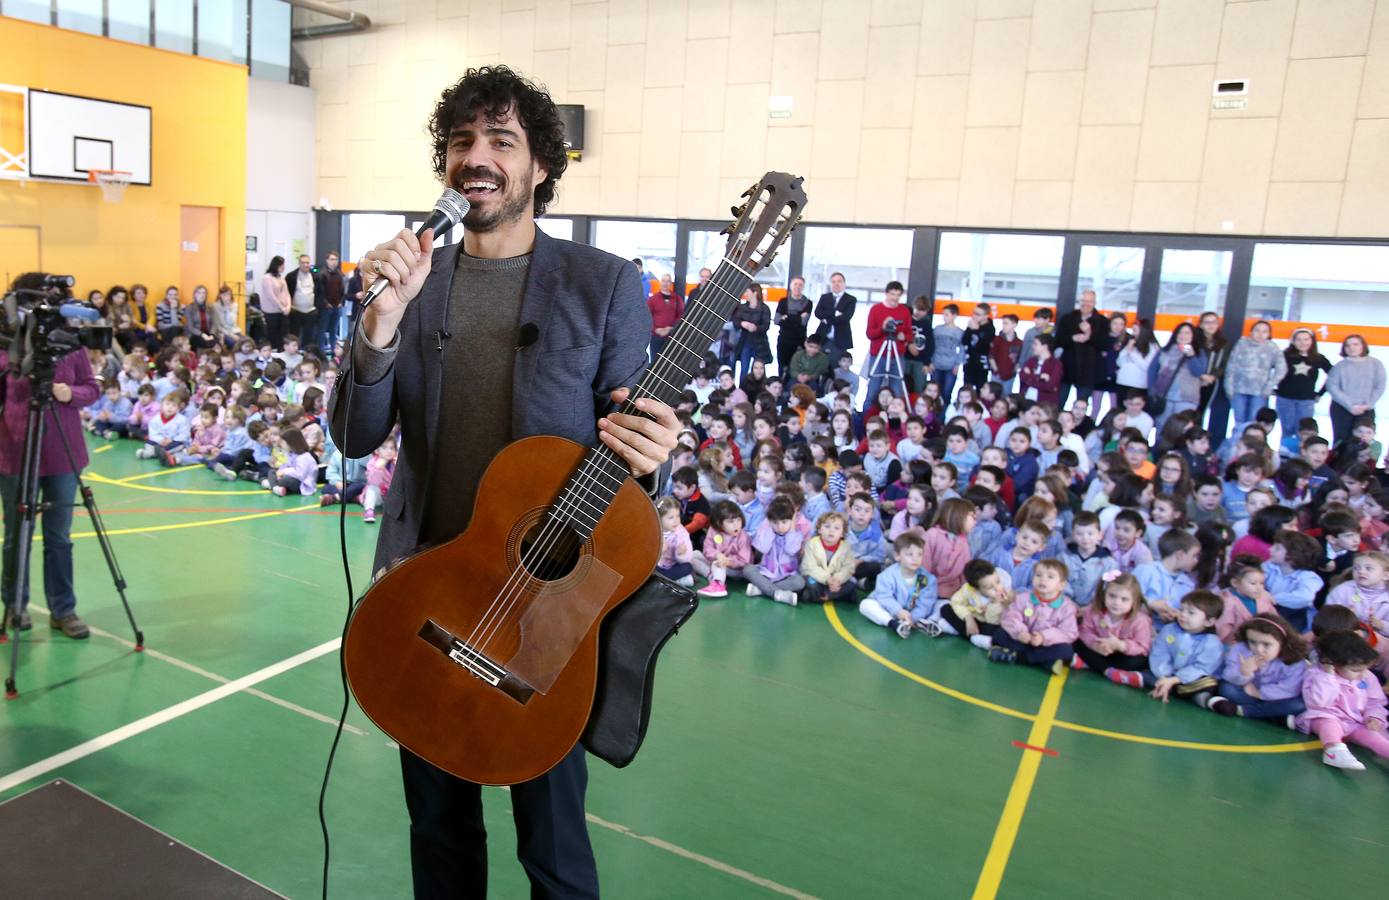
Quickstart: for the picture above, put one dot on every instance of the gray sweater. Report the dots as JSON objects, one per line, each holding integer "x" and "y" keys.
{"x": 1356, "y": 379}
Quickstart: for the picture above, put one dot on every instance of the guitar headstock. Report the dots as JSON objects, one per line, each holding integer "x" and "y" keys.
{"x": 768, "y": 215}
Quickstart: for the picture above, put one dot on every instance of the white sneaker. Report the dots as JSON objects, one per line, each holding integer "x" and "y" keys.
{"x": 944, "y": 626}
{"x": 1339, "y": 756}
{"x": 145, "y": 452}
{"x": 928, "y": 627}
{"x": 982, "y": 641}
{"x": 1291, "y": 723}
{"x": 787, "y": 597}
{"x": 903, "y": 629}
{"x": 752, "y": 590}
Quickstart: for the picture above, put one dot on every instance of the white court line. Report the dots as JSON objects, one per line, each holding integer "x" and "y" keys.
{"x": 701, "y": 858}
{"x": 220, "y": 679}
{"x": 139, "y": 726}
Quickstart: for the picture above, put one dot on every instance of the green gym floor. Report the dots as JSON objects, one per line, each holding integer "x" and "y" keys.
{"x": 801, "y": 752}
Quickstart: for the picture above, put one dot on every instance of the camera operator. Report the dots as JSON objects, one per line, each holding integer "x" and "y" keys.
{"x": 74, "y": 387}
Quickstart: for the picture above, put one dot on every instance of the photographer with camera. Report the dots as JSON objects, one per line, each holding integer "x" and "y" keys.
{"x": 888, "y": 321}
{"x": 73, "y": 387}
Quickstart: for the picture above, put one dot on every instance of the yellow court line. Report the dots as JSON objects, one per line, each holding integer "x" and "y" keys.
{"x": 1299, "y": 747}
{"x": 101, "y": 479}
{"x": 159, "y": 473}
{"x": 991, "y": 876}
{"x": 833, "y": 615}
{"x": 176, "y": 526}
{"x": 101, "y": 449}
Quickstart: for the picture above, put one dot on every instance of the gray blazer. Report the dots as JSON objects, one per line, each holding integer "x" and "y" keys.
{"x": 594, "y": 328}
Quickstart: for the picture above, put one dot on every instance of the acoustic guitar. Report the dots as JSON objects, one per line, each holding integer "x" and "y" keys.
{"x": 480, "y": 655}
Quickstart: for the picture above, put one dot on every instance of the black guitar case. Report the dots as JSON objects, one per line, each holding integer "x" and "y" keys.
{"x": 630, "y": 640}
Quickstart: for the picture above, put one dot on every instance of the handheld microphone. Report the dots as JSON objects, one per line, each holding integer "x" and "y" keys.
{"x": 449, "y": 210}
{"x": 78, "y": 311}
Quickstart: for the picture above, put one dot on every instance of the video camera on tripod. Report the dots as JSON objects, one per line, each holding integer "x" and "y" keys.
{"x": 41, "y": 324}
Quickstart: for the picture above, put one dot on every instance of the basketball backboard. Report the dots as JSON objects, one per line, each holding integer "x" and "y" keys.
{"x": 70, "y": 135}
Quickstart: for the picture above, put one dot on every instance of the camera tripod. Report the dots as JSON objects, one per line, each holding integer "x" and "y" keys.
{"x": 886, "y": 365}
{"x": 28, "y": 508}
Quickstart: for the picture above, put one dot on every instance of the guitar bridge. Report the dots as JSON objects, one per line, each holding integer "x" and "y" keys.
{"x": 475, "y": 662}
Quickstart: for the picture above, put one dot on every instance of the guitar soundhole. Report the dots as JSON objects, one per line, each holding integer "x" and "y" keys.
{"x": 550, "y": 552}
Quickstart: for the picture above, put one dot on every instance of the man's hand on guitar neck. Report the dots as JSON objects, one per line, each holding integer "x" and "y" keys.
{"x": 643, "y": 444}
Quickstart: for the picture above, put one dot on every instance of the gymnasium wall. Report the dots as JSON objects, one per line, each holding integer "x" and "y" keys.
{"x": 1008, "y": 113}
{"x": 198, "y": 151}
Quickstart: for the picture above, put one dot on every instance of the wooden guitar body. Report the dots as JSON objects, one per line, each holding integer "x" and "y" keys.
{"x": 471, "y": 598}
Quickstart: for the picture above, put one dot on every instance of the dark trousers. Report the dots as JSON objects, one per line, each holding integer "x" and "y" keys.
{"x": 55, "y": 522}
{"x": 448, "y": 840}
{"x": 957, "y": 623}
{"x": 1099, "y": 662}
{"x": 275, "y": 330}
{"x": 1301, "y": 619}
{"x": 867, "y": 570}
{"x": 1254, "y": 708}
{"x": 304, "y": 325}
{"x": 1043, "y": 656}
{"x": 1342, "y": 420}
{"x": 820, "y": 593}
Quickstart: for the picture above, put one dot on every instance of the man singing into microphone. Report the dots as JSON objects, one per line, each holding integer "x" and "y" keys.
{"x": 510, "y": 334}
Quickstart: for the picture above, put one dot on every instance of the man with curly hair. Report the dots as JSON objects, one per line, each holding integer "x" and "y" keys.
{"x": 510, "y": 334}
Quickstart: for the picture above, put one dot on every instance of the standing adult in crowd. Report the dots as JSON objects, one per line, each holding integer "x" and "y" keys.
{"x": 330, "y": 314}
{"x": 751, "y": 321}
{"x": 1298, "y": 391}
{"x": 1355, "y": 384}
{"x": 882, "y": 369}
{"x": 917, "y": 363}
{"x": 225, "y": 321}
{"x": 197, "y": 321}
{"x": 1217, "y": 358}
{"x": 1133, "y": 361}
{"x": 1175, "y": 375}
{"x": 274, "y": 302}
{"x": 1254, "y": 370}
{"x": 1082, "y": 337}
{"x": 74, "y": 388}
{"x": 666, "y": 307}
{"x": 305, "y": 287}
{"x": 792, "y": 316}
{"x": 835, "y": 312}
{"x": 1119, "y": 338}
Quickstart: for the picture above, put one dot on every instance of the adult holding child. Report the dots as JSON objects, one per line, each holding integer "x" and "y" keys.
{"x": 497, "y": 139}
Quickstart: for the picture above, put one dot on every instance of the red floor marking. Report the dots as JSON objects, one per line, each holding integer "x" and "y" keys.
{"x": 1047, "y": 750}
{"x": 326, "y": 511}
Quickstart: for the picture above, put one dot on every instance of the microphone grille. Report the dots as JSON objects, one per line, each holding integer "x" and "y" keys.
{"x": 452, "y": 204}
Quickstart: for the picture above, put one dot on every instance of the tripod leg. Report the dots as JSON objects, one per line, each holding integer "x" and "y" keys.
{"x": 28, "y": 510}
{"x": 98, "y": 526}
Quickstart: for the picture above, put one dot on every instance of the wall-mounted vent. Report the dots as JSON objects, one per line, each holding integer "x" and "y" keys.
{"x": 1233, "y": 87}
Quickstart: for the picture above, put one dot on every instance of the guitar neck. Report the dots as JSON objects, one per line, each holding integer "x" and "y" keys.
{"x": 596, "y": 481}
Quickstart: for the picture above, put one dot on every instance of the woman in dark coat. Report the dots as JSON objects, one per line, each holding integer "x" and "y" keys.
{"x": 751, "y": 321}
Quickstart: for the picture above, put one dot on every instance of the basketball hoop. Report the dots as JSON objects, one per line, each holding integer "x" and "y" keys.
{"x": 112, "y": 182}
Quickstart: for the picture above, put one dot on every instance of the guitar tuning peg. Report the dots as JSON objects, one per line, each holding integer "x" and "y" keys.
{"x": 737, "y": 211}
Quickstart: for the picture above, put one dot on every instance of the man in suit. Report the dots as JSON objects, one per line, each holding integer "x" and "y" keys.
{"x": 835, "y": 310}
{"x": 509, "y": 334}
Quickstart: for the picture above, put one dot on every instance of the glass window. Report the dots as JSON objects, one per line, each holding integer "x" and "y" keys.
{"x": 557, "y": 228}
{"x": 173, "y": 25}
{"x": 80, "y": 15}
{"x": 1194, "y": 281}
{"x": 707, "y": 248}
{"x": 40, "y": 11}
{"x": 868, "y": 258}
{"x": 127, "y": 20}
{"x": 653, "y": 242}
{"x": 1114, "y": 274}
{"x": 1319, "y": 283}
{"x": 366, "y": 230}
{"x": 221, "y": 35}
{"x": 270, "y": 39}
{"x": 999, "y": 268}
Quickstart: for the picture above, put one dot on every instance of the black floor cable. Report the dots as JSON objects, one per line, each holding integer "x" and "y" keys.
{"x": 344, "y": 369}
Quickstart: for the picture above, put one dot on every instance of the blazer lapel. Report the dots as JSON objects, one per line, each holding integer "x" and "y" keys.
{"x": 534, "y": 309}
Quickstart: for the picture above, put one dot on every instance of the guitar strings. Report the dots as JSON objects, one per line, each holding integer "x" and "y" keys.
{"x": 583, "y": 482}
{"x": 510, "y": 594}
